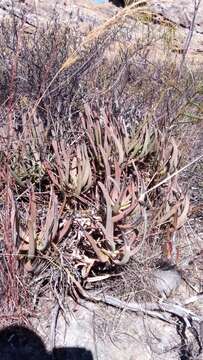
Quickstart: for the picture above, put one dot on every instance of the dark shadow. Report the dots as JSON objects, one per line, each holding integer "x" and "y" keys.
{"x": 20, "y": 343}
{"x": 71, "y": 353}
{"x": 119, "y": 3}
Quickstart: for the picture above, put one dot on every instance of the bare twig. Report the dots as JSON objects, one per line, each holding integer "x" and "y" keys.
{"x": 170, "y": 177}
{"x": 149, "y": 308}
{"x": 190, "y": 34}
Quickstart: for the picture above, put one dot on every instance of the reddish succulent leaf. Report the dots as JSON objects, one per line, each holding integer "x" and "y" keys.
{"x": 107, "y": 166}
{"x": 174, "y": 157}
{"x": 58, "y": 160}
{"x": 115, "y": 193}
{"x": 98, "y": 134}
{"x": 118, "y": 172}
{"x": 118, "y": 144}
{"x": 86, "y": 171}
{"x": 180, "y": 220}
{"x": 105, "y": 193}
{"x": 32, "y": 217}
{"x": 79, "y": 175}
{"x": 66, "y": 226}
{"x": 74, "y": 172}
{"x": 109, "y": 222}
{"x": 88, "y": 127}
{"x": 66, "y": 156}
{"x": 48, "y": 233}
{"x": 129, "y": 209}
{"x": 13, "y": 218}
{"x": 49, "y": 171}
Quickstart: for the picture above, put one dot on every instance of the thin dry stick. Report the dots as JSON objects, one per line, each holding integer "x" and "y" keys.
{"x": 190, "y": 34}
{"x": 150, "y": 307}
{"x": 193, "y": 299}
{"x": 142, "y": 196}
{"x": 55, "y": 314}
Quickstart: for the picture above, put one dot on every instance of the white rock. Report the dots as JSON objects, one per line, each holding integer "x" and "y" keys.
{"x": 166, "y": 281}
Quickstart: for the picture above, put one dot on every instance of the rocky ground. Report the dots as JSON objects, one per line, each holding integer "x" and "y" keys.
{"x": 85, "y": 13}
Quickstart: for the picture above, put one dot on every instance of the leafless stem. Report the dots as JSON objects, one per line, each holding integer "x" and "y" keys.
{"x": 190, "y": 34}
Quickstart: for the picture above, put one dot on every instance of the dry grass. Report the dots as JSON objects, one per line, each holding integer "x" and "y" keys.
{"x": 81, "y": 143}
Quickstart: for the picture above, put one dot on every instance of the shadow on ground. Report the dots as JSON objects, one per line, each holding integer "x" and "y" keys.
{"x": 21, "y": 343}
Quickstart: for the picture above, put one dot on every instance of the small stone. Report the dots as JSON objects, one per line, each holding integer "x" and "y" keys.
{"x": 166, "y": 281}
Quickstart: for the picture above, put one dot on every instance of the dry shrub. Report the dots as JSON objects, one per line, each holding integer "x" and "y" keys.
{"x": 84, "y": 146}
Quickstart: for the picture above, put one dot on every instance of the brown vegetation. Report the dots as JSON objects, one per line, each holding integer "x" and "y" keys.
{"x": 90, "y": 154}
